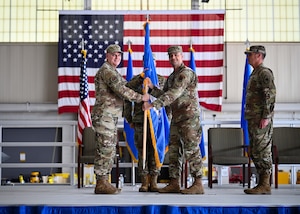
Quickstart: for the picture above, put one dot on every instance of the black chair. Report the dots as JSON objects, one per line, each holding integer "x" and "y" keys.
{"x": 226, "y": 147}
{"x": 86, "y": 154}
{"x": 286, "y": 147}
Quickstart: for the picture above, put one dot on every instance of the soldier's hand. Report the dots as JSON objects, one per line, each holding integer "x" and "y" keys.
{"x": 146, "y": 97}
{"x": 147, "y": 106}
{"x": 263, "y": 123}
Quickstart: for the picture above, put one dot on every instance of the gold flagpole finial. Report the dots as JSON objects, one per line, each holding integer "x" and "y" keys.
{"x": 191, "y": 45}
{"x": 247, "y": 43}
{"x": 82, "y": 44}
{"x": 84, "y": 52}
{"x": 148, "y": 17}
{"x": 129, "y": 43}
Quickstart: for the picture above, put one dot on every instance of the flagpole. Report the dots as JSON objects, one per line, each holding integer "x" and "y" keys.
{"x": 145, "y": 128}
{"x": 145, "y": 119}
{"x": 129, "y": 131}
{"x": 84, "y": 118}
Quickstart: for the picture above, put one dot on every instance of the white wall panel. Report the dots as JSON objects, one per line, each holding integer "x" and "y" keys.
{"x": 282, "y": 58}
{"x": 28, "y": 72}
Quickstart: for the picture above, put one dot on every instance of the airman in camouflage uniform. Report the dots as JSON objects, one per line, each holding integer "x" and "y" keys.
{"x": 180, "y": 93}
{"x": 259, "y": 112}
{"x": 110, "y": 92}
{"x": 134, "y": 115}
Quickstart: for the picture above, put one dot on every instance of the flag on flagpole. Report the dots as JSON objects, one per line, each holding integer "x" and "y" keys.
{"x": 102, "y": 28}
{"x": 193, "y": 67}
{"x": 84, "y": 114}
{"x": 158, "y": 121}
{"x": 244, "y": 123}
{"x": 128, "y": 131}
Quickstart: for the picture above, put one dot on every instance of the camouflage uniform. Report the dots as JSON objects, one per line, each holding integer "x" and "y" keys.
{"x": 180, "y": 94}
{"x": 136, "y": 117}
{"x": 110, "y": 92}
{"x": 260, "y": 100}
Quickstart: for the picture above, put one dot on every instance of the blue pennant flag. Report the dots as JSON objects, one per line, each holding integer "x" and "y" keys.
{"x": 193, "y": 67}
{"x": 158, "y": 120}
{"x": 244, "y": 123}
{"x": 128, "y": 131}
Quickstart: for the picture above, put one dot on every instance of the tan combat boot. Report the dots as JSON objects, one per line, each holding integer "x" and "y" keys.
{"x": 196, "y": 188}
{"x": 104, "y": 187}
{"x": 263, "y": 186}
{"x": 153, "y": 183}
{"x": 145, "y": 184}
{"x": 172, "y": 187}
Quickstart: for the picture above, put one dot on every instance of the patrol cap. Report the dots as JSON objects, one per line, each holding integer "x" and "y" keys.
{"x": 174, "y": 49}
{"x": 256, "y": 49}
{"x": 113, "y": 49}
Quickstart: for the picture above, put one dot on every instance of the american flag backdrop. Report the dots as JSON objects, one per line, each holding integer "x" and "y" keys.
{"x": 98, "y": 29}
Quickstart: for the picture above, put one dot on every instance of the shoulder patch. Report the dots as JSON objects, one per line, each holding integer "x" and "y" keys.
{"x": 181, "y": 77}
{"x": 113, "y": 79}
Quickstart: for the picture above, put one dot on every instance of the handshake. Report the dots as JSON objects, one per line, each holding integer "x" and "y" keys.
{"x": 147, "y": 105}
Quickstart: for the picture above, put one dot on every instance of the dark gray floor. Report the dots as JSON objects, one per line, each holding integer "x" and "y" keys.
{"x": 225, "y": 195}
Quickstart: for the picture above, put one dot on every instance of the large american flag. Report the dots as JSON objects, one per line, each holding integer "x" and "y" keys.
{"x": 203, "y": 29}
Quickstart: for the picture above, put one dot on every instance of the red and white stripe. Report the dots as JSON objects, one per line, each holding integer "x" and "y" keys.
{"x": 203, "y": 31}
{"x": 84, "y": 118}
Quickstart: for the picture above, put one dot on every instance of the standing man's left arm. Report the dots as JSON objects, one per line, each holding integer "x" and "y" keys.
{"x": 269, "y": 93}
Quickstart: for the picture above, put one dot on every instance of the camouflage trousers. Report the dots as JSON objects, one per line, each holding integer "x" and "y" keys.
{"x": 150, "y": 164}
{"x": 261, "y": 145}
{"x": 106, "y": 139}
{"x": 184, "y": 143}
